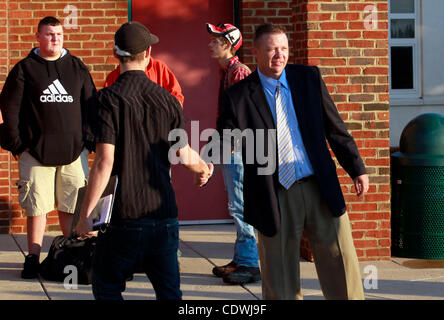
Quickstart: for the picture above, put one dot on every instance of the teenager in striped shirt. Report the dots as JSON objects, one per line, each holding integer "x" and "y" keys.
{"x": 226, "y": 39}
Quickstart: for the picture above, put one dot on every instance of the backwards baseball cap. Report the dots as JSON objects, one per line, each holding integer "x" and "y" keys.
{"x": 228, "y": 31}
{"x": 132, "y": 38}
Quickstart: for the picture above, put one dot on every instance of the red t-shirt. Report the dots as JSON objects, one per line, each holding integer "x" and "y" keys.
{"x": 158, "y": 72}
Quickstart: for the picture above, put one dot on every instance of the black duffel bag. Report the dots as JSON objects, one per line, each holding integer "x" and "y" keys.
{"x": 69, "y": 252}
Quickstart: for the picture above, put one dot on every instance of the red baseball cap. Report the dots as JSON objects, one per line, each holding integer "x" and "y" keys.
{"x": 228, "y": 31}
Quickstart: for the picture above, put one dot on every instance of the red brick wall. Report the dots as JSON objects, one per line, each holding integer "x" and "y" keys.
{"x": 353, "y": 60}
{"x": 330, "y": 34}
{"x": 4, "y": 170}
{"x": 91, "y": 40}
{"x": 255, "y": 12}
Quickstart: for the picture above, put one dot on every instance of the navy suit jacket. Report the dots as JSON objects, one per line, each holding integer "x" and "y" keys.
{"x": 244, "y": 106}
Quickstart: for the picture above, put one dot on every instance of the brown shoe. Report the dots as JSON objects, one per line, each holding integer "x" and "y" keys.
{"x": 243, "y": 275}
{"x": 224, "y": 270}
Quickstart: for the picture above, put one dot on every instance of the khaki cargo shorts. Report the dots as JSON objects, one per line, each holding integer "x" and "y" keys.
{"x": 40, "y": 187}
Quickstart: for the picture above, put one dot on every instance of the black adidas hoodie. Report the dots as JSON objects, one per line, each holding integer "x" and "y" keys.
{"x": 43, "y": 104}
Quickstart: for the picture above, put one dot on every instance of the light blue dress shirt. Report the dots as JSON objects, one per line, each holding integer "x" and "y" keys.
{"x": 303, "y": 166}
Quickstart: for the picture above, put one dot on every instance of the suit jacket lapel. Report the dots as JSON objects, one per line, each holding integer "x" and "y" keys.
{"x": 258, "y": 97}
{"x": 297, "y": 88}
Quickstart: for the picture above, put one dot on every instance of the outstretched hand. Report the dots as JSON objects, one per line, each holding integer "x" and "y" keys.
{"x": 201, "y": 179}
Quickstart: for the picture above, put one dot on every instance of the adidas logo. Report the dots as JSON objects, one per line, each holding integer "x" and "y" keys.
{"x": 55, "y": 93}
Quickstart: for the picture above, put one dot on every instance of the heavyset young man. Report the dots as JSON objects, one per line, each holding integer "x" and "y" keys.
{"x": 43, "y": 103}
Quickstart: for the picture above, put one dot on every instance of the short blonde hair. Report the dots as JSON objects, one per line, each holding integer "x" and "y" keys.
{"x": 266, "y": 28}
{"x": 134, "y": 57}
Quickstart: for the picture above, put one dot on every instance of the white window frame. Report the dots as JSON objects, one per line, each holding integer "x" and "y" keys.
{"x": 415, "y": 43}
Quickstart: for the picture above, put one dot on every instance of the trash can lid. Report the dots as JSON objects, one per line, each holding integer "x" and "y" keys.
{"x": 423, "y": 135}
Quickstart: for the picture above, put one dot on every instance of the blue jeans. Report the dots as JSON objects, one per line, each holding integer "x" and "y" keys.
{"x": 142, "y": 244}
{"x": 245, "y": 247}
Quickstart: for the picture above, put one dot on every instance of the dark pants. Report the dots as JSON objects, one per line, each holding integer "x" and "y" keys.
{"x": 147, "y": 244}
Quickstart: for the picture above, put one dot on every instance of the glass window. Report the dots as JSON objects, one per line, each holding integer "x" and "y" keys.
{"x": 402, "y": 67}
{"x": 405, "y": 53}
{"x": 402, "y": 6}
{"x": 402, "y": 28}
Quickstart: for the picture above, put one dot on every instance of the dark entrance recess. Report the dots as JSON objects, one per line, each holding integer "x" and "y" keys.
{"x": 183, "y": 46}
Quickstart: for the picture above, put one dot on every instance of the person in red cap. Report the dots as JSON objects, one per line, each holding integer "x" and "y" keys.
{"x": 226, "y": 39}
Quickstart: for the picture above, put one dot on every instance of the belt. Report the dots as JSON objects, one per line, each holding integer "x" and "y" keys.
{"x": 304, "y": 179}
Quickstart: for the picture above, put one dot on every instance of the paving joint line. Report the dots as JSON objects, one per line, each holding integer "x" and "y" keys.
{"x": 197, "y": 252}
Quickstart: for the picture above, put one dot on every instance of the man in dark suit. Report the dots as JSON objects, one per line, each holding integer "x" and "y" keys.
{"x": 291, "y": 104}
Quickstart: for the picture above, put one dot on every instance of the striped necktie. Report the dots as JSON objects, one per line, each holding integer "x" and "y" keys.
{"x": 285, "y": 145}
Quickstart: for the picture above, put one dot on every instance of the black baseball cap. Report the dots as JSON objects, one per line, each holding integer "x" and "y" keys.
{"x": 132, "y": 38}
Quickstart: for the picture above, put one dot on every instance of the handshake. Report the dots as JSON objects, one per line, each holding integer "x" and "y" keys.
{"x": 191, "y": 160}
{"x": 201, "y": 179}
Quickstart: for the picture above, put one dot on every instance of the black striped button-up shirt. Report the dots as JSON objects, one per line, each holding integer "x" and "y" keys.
{"x": 136, "y": 115}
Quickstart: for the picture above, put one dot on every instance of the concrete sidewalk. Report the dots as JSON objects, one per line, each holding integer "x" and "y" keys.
{"x": 204, "y": 246}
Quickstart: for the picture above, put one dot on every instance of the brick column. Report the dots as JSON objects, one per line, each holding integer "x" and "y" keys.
{"x": 353, "y": 58}
{"x": 5, "y": 162}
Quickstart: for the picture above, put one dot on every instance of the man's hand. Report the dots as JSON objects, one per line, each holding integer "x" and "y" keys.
{"x": 84, "y": 228}
{"x": 201, "y": 179}
{"x": 361, "y": 184}
{"x": 98, "y": 179}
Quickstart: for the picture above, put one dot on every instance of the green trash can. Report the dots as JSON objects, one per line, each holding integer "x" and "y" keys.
{"x": 417, "y": 181}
